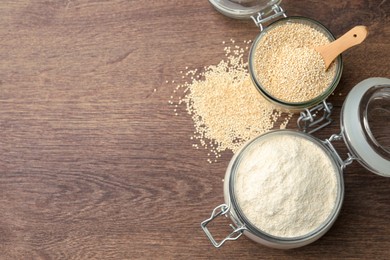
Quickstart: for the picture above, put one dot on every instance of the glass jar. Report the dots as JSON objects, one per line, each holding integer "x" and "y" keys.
{"x": 263, "y": 89}
{"x": 364, "y": 129}
{"x": 270, "y": 12}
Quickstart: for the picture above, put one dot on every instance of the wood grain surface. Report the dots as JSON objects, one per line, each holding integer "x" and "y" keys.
{"x": 95, "y": 165}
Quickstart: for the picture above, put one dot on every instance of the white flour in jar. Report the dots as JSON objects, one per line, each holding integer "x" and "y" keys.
{"x": 286, "y": 185}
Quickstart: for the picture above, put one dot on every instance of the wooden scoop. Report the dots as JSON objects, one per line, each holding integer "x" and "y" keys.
{"x": 351, "y": 38}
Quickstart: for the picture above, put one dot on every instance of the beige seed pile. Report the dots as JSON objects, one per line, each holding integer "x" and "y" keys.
{"x": 226, "y": 108}
{"x": 288, "y": 67}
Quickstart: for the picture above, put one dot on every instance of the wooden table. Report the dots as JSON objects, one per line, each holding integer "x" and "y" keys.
{"x": 93, "y": 161}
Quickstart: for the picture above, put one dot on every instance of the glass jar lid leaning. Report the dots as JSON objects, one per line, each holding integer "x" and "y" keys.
{"x": 288, "y": 198}
{"x": 365, "y": 124}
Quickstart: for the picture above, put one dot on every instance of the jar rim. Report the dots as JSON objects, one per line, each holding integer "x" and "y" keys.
{"x": 321, "y": 229}
{"x": 294, "y": 105}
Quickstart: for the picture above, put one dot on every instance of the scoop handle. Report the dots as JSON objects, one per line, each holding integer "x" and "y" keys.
{"x": 351, "y": 38}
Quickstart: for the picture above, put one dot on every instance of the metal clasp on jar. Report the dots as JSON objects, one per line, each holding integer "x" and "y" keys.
{"x": 221, "y": 210}
{"x": 309, "y": 118}
{"x": 260, "y": 19}
{"x": 328, "y": 143}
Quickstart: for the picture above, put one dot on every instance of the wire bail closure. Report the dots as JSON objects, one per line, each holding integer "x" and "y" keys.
{"x": 328, "y": 143}
{"x": 260, "y": 18}
{"x": 307, "y": 118}
{"x": 221, "y": 210}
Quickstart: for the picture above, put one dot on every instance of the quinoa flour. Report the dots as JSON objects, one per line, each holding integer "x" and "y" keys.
{"x": 286, "y": 185}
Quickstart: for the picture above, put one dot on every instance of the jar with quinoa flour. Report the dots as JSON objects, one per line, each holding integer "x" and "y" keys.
{"x": 283, "y": 64}
{"x": 284, "y": 189}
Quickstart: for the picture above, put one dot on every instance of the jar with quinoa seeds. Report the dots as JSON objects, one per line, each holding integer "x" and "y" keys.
{"x": 284, "y": 189}
{"x": 283, "y": 64}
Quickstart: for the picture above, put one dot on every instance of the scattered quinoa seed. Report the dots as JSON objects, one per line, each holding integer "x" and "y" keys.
{"x": 224, "y": 105}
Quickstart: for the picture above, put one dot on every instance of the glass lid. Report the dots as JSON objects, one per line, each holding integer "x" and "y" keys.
{"x": 365, "y": 121}
{"x": 243, "y": 9}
